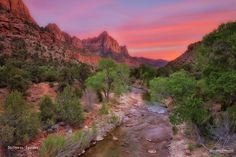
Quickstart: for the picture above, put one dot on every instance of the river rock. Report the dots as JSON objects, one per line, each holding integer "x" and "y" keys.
{"x": 149, "y": 140}
{"x": 99, "y": 138}
{"x": 114, "y": 138}
{"x": 152, "y": 151}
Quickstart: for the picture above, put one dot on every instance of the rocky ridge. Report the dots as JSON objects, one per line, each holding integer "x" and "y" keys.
{"x": 21, "y": 36}
{"x": 187, "y": 57}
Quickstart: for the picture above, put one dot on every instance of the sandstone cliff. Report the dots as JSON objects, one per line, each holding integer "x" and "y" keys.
{"x": 21, "y": 36}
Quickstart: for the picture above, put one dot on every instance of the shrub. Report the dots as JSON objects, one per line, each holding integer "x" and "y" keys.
{"x": 18, "y": 123}
{"x": 190, "y": 146}
{"x": 14, "y": 77}
{"x": 48, "y": 73}
{"x": 48, "y": 111}
{"x": 231, "y": 111}
{"x": 114, "y": 119}
{"x": 52, "y": 145}
{"x": 69, "y": 107}
{"x": 104, "y": 109}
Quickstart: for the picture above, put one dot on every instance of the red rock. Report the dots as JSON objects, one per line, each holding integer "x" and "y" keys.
{"x": 18, "y": 8}
{"x": 51, "y": 43}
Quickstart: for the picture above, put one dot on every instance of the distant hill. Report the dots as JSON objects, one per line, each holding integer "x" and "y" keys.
{"x": 21, "y": 35}
{"x": 219, "y": 44}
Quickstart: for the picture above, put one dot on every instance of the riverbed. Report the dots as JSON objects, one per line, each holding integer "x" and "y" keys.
{"x": 145, "y": 132}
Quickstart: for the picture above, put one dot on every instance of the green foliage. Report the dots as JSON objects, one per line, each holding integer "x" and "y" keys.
{"x": 17, "y": 74}
{"x": 214, "y": 69}
{"x": 14, "y": 77}
{"x": 175, "y": 129}
{"x": 69, "y": 107}
{"x": 111, "y": 77}
{"x": 222, "y": 86}
{"x": 192, "y": 110}
{"x": 48, "y": 111}
{"x": 231, "y": 112}
{"x": 146, "y": 96}
{"x": 190, "y": 147}
{"x": 121, "y": 79}
{"x": 19, "y": 48}
{"x": 52, "y": 145}
{"x": 159, "y": 88}
{"x": 179, "y": 85}
{"x": 218, "y": 54}
{"x": 104, "y": 109}
{"x": 144, "y": 73}
{"x": 182, "y": 87}
{"x": 47, "y": 73}
{"x": 114, "y": 119}
{"x": 18, "y": 123}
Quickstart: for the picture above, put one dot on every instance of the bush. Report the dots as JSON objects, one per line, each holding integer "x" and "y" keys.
{"x": 14, "y": 77}
{"x": 104, "y": 109}
{"x": 18, "y": 123}
{"x": 231, "y": 111}
{"x": 48, "y": 73}
{"x": 182, "y": 87}
{"x": 48, "y": 111}
{"x": 69, "y": 107}
{"x": 190, "y": 147}
{"x": 179, "y": 85}
{"x": 52, "y": 145}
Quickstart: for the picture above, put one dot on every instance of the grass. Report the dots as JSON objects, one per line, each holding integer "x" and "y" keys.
{"x": 146, "y": 96}
{"x": 52, "y": 145}
{"x": 190, "y": 147}
{"x": 175, "y": 130}
{"x": 104, "y": 109}
{"x": 114, "y": 119}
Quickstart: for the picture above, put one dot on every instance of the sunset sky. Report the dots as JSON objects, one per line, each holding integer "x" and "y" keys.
{"x": 158, "y": 29}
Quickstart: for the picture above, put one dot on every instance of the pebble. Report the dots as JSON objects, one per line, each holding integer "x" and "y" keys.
{"x": 152, "y": 151}
{"x": 99, "y": 138}
{"x": 148, "y": 139}
{"x": 114, "y": 138}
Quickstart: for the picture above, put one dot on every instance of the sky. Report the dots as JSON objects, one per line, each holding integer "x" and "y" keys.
{"x": 157, "y": 29}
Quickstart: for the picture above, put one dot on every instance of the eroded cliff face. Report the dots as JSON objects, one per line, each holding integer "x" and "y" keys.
{"x": 21, "y": 36}
{"x": 18, "y": 8}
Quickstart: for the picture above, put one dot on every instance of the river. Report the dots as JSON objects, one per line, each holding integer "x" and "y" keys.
{"x": 145, "y": 132}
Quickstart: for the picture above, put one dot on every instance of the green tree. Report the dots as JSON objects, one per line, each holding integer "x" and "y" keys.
{"x": 179, "y": 85}
{"x": 14, "y": 77}
{"x": 18, "y": 123}
{"x": 182, "y": 87}
{"x": 48, "y": 111}
{"x": 111, "y": 77}
{"x": 144, "y": 73}
{"x": 69, "y": 107}
{"x": 48, "y": 73}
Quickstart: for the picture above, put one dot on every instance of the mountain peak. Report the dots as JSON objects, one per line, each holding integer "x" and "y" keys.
{"x": 104, "y": 33}
{"x": 53, "y": 28}
{"x": 18, "y": 8}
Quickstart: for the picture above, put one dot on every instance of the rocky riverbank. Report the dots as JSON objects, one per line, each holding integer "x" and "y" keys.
{"x": 145, "y": 130}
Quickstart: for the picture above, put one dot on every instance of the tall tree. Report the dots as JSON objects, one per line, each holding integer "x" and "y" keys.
{"x": 111, "y": 77}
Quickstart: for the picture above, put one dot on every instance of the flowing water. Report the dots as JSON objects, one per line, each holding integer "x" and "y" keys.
{"x": 145, "y": 132}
